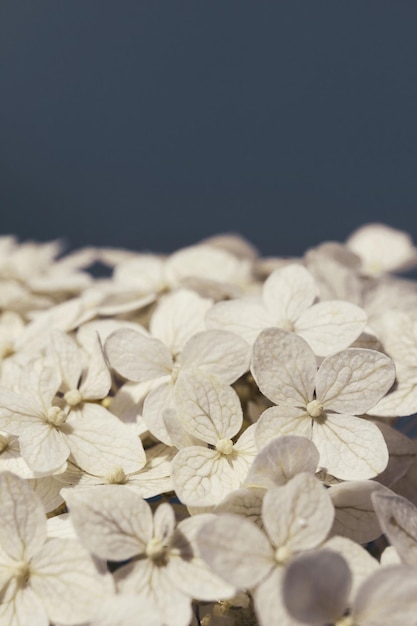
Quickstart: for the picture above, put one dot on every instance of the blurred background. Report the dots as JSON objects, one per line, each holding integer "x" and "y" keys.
{"x": 152, "y": 124}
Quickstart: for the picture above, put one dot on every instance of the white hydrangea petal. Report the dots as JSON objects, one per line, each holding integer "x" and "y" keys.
{"x": 207, "y": 262}
{"x": 123, "y": 610}
{"x": 282, "y": 420}
{"x": 390, "y": 556}
{"x": 24, "y": 609}
{"x": 178, "y": 316}
{"x": 61, "y": 527}
{"x": 217, "y": 352}
{"x": 352, "y": 381}
{"x": 284, "y": 367}
{"x": 288, "y": 291}
{"x": 48, "y": 490}
{"x": 16, "y": 409}
{"x": 281, "y": 459}
{"x": 382, "y": 248}
{"x": 402, "y": 400}
{"x": 159, "y": 401}
{"x": 298, "y": 515}
{"x": 387, "y": 598}
{"x": 269, "y": 602}
{"x": 177, "y": 434}
{"x": 398, "y": 519}
{"x": 45, "y": 449}
{"x": 351, "y": 448}
{"x": 355, "y": 515}
{"x": 164, "y": 522}
{"x": 316, "y": 586}
{"x": 22, "y": 519}
{"x": 99, "y": 441}
{"x": 244, "y": 317}
{"x": 115, "y": 524}
{"x": 137, "y": 357}
{"x": 209, "y": 409}
{"x": 361, "y": 563}
{"x": 402, "y": 454}
{"x": 68, "y": 356}
{"x": 190, "y": 572}
{"x": 202, "y": 477}
{"x": 153, "y": 583}
{"x": 87, "y": 333}
{"x": 67, "y": 581}
{"x": 97, "y": 380}
{"x": 11, "y": 459}
{"x": 331, "y": 326}
{"x": 246, "y": 502}
{"x": 236, "y": 550}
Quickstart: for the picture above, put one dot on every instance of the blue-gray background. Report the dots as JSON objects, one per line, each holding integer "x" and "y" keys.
{"x": 152, "y": 124}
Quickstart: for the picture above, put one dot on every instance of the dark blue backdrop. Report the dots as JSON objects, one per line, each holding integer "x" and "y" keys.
{"x": 152, "y": 124}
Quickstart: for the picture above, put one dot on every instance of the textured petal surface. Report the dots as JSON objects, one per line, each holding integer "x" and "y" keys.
{"x": 352, "y": 381}
{"x": 137, "y": 357}
{"x": 218, "y": 352}
{"x": 398, "y": 518}
{"x": 208, "y": 409}
{"x": 236, "y": 550}
{"x": 67, "y": 581}
{"x": 22, "y": 518}
{"x": 351, "y": 448}
{"x": 284, "y": 367}
{"x": 298, "y": 515}
{"x": 280, "y": 460}
{"x": 331, "y": 326}
{"x": 114, "y": 525}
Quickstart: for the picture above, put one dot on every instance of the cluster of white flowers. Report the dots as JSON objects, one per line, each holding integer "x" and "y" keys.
{"x": 208, "y": 438}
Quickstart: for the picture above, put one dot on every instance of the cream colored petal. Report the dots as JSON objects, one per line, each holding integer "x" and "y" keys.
{"x": 355, "y": 515}
{"x": 331, "y": 326}
{"x": 281, "y": 459}
{"x": 280, "y": 421}
{"x": 288, "y": 291}
{"x": 398, "y": 519}
{"x": 67, "y": 581}
{"x": 100, "y": 442}
{"x": 284, "y": 367}
{"x": 352, "y": 381}
{"x": 178, "y": 316}
{"x": 208, "y": 409}
{"x": 351, "y": 448}
{"x": 245, "y": 317}
{"x": 202, "y": 477}
{"x": 115, "y": 524}
{"x": 236, "y": 550}
{"x": 22, "y": 519}
{"x": 217, "y": 352}
{"x": 137, "y": 357}
{"x": 298, "y": 515}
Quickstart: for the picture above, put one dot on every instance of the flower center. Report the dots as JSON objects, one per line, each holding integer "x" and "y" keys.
{"x": 283, "y": 554}
{"x": 314, "y": 408}
{"x": 286, "y": 325}
{"x": 175, "y": 371}
{"x": 116, "y": 476}
{"x": 224, "y": 446}
{"x": 21, "y": 572}
{"x": 56, "y": 416}
{"x": 73, "y": 397}
{"x": 156, "y": 551}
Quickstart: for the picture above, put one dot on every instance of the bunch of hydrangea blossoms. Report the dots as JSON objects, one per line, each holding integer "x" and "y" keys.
{"x": 256, "y": 396}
